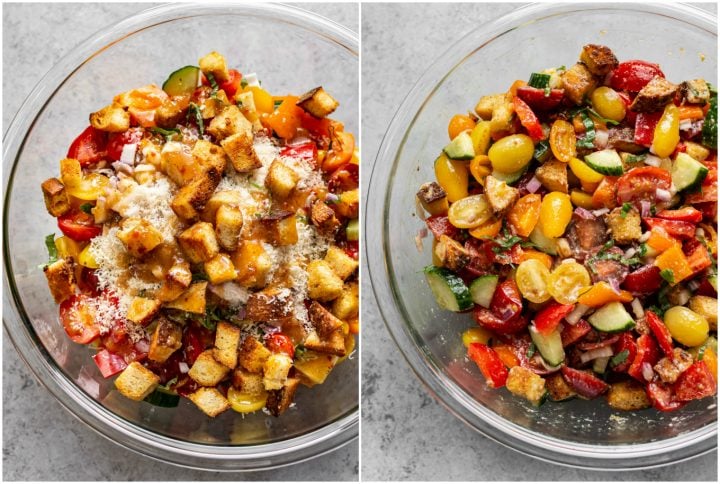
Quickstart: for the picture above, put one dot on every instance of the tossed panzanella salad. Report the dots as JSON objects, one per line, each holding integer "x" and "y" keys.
{"x": 209, "y": 242}
{"x": 574, "y": 217}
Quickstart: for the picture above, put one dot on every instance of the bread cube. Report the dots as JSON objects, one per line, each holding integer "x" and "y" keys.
{"x": 199, "y": 243}
{"x": 209, "y": 155}
{"x": 136, "y": 382}
{"x": 220, "y": 269}
{"x": 485, "y": 106}
{"x": 332, "y": 344}
{"x": 112, "y": 118}
{"x": 177, "y": 162}
{"x": 268, "y": 305}
{"x": 323, "y": 320}
{"x": 166, "y": 340}
{"x": 275, "y": 370}
{"x": 553, "y": 176}
{"x": 625, "y": 227}
{"x": 239, "y": 148}
{"x": 348, "y": 303}
{"x": 281, "y": 179}
{"x": 280, "y": 229}
{"x": 599, "y": 59}
{"x": 526, "y": 384}
{"x": 228, "y": 225}
{"x": 207, "y": 371}
{"x": 230, "y": 198}
{"x": 142, "y": 310}
{"x": 348, "y": 204}
{"x": 171, "y": 112}
{"x": 323, "y": 284}
{"x": 450, "y": 253}
{"x": 192, "y": 300}
{"x": 213, "y": 105}
{"x": 230, "y": 121}
{"x": 433, "y": 198}
{"x": 61, "y": 278}
{"x": 342, "y": 264}
{"x": 190, "y": 200}
{"x": 246, "y": 382}
{"x": 578, "y": 83}
{"x": 227, "y": 341}
{"x": 627, "y": 395}
{"x": 70, "y": 172}
{"x": 499, "y": 194}
{"x": 210, "y": 401}
{"x": 139, "y": 236}
{"x": 252, "y": 355}
{"x": 706, "y": 307}
{"x": 56, "y": 198}
{"x": 323, "y": 217}
{"x": 252, "y": 264}
{"x": 280, "y": 400}
{"x": 214, "y": 63}
{"x": 318, "y": 102}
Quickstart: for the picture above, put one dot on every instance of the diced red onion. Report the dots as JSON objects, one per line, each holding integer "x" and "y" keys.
{"x": 647, "y": 371}
{"x": 644, "y": 237}
{"x": 128, "y": 154}
{"x": 644, "y": 208}
{"x": 533, "y": 185}
{"x": 584, "y": 213}
{"x": 637, "y": 308}
{"x": 630, "y": 252}
{"x": 663, "y": 195}
{"x": 601, "y": 139}
{"x": 600, "y": 212}
{"x": 596, "y": 353}
{"x": 184, "y": 368}
{"x": 615, "y": 284}
{"x": 693, "y": 285}
{"x": 143, "y": 346}
{"x": 685, "y": 124}
{"x": 574, "y": 316}
{"x": 652, "y": 160}
{"x": 332, "y": 198}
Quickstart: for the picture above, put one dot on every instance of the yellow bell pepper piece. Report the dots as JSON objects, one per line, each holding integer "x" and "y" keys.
{"x": 584, "y": 172}
{"x": 581, "y": 199}
{"x": 667, "y": 132}
{"x": 86, "y": 259}
{"x": 710, "y": 359}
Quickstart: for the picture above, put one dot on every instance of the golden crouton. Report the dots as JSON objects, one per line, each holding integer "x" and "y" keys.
{"x": 209, "y": 155}
{"x": 166, "y": 340}
{"x": 553, "y": 176}
{"x": 599, "y": 59}
{"x": 230, "y": 121}
{"x": 526, "y": 384}
{"x": 281, "y": 179}
{"x": 198, "y": 242}
{"x": 268, "y": 305}
{"x": 696, "y": 150}
{"x": 220, "y": 269}
{"x": 176, "y": 162}
{"x": 669, "y": 369}
{"x": 227, "y": 341}
{"x": 207, "y": 371}
{"x": 56, "y": 199}
{"x": 558, "y": 388}
{"x": 192, "y": 300}
{"x": 578, "y": 83}
{"x": 228, "y": 225}
{"x": 502, "y": 115}
{"x": 214, "y": 63}
{"x": 139, "y": 236}
{"x": 323, "y": 217}
{"x": 61, "y": 278}
{"x": 706, "y": 307}
{"x": 142, "y": 310}
{"x": 433, "y": 198}
{"x": 485, "y": 106}
{"x": 318, "y": 102}
{"x": 246, "y": 382}
{"x": 314, "y": 368}
{"x": 654, "y": 96}
{"x": 231, "y": 198}
{"x": 171, "y": 112}
{"x": 499, "y": 194}
{"x": 239, "y": 148}
{"x": 696, "y": 91}
{"x": 347, "y": 304}
{"x": 210, "y": 401}
{"x": 180, "y": 274}
{"x": 323, "y": 284}
{"x": 279, "y": 229}
{"x": 70, "y": 172}
{"x": 348, "y": 204}
{"x": 252, "y": 264}
{"x": 451, "y": 253}
{"x": 280, "y": 400}
{"x": 323, "y": 320}
{"x": 342, "y": 264}
{"x": 627, "y": 395}
{"x": 190, "y": 200}
{"x": 333, "y": 344}
{"x": 112, "y": 118}
{"x": 213, "y": 105}
{"x": 275, "y": 370}
{"x": 252, "y": 355}
{"x": 136, "y": 382}
{"x": 625, "y": 228}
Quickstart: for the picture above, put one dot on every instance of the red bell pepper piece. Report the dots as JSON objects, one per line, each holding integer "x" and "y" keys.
{"x": 633, "y": 75}
{"x": 647, "y": 352}
{"x": 645, "y": 280}
{"x": 489, "y": 320}
{"x": 674, "y": 228}
{"x": 662, "y": 334}
{"x": 697, "y": 255}
{"x": 88, "y": 147}
{"x": 440, "y": 225}
{"x": 630, "y": 116}
{"x": 109, "y": 363}
{"x": 626, "y": 342}
{"x": 572, "y": 333}
{"x": 537, "y": 99}
{"x": 490, "y": 364}
{"x": 685, "y": 214}
{"x": 695, "y": 383}
{"x": 662, "y": 397}
{"x": 232, "y": 83}
{"x": 528, "y": 119}
{"x": 550, "y": 316}
{"x": 585, "y": 384}
{"x": 645, "y": 127}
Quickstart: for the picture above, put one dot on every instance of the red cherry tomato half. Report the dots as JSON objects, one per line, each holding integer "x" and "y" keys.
{"x": 506, "y": 302}
{"x": 572, "y": 333}
{"x": 88, "y": 147}
{"x": 641, "y": 184}
{"x": 232, "y": 84}
{"x": 645, "y": 280}
{"x": 78, "y": 318}
{"x": 279, "y": 343}
{"x": 117, "y": 141}
{"x": 647, "y": 352}
{"x": 538, "y": 99}
{"x": 488, "y": 320}
{"x": 79, "y": 226}
{"x": 662, "y": 397}
{"x": 634, "y": 75}
{"x": 109, "y": 363}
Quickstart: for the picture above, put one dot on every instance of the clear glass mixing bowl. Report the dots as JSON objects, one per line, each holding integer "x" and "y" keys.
{"x": 292, "y": 51}
{"x": 579, "y": 433}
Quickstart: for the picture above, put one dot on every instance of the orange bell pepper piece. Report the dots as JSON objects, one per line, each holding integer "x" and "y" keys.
{"x": 710, "y": 359}
{"x": 604, "y": 195}
{"x": 488, "y": 230}
{"x": 691, "y": 112}
{"x": 513, "y": 89}
{"x": 674, "y": 259}
{"x": 507, "y": 355}
{"x": 525, "y": 214}
{"x": 660, "y": 240}
{"x": 602, "y": 293}
{"x": 537, "y": 255}
{"x": 286, "y": 119}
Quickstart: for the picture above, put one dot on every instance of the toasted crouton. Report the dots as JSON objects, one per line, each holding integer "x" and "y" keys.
{"x": 553, "y": 176}
{"x": 220, "y": 269}
{"x": 526, "y": 384}
{"x": 281, "y": 179}
{"x": 112, "y": 118}
{"x": 56, "y": 199}
{"x": 176, "y": 162}
{"x": 70, "y": 172}
{"x": 578, "y": 83}
{"x": 599, "y": 59}
{"x": 61, "y": 278}
{"x": 227, "y": 341}
{"x": 558, "y": 388}
{"x": 670, "y": 369}
{"x": 172, "y": 111}
{"x": 323, "y": 217}
{"x": 246, "y": 382}
{"x": 192, "y": 300}
{"x": 207, "y": 371}
{"x": 502, "y": 115}
{"x": 139, "y": 236}
{"x": 348, "y": 204}
{"x": 275, "y": 370}
{"x": 695, "y": 91}
{"x": 198, "y": 242}
{"x": 347, "y": 304}
{"x": 323, "y": 284}
{"x": 239, "y": 148}
{"x": 142, "y": 310}
{"x": 654, "y": 96}
{"x": 485, "y": 106}
{"x": 342, "y": 264}
{"x": 625, "y": 227}
{"x": 210, "y": 401}
{"x": 706, "y": 307}
{"x": 214, "y": 63}
{"x": 136, "y": 382}
{"x": 230, "y": 121}
{"x": 166, "y": 340}
{"x": 451, "y": 253}
{"x": 252, "y": 263}
{"x": 318, "y": 102}
{"x": 209, "y": 155}
{"x": 268, "y": 305}
{"x": 180, "y": 274}
{"x": 280, "y": 400}
{"x": 627, "y": 395}
{"x": 190, "y": 200}
{"x": 228, "y": 225}
{"x": 314, "y": 368}
{"x": 231, "y": 198}
{"x": 279, "y": 228}
{"x": 333, "y": 344}
{"x": 433, "y": 198}
{"x": 499, "y": 194}
{"x": 323, "y": 320}
{"x": 252, "y": 355}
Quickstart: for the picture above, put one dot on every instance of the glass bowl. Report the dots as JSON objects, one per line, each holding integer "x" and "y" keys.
{"x": 579, "y": 433}
{"x": 292, "y": 51}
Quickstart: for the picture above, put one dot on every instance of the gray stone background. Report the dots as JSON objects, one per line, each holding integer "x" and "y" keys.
{"x": 42, "y": 441}
{"x": 406, "y": 435}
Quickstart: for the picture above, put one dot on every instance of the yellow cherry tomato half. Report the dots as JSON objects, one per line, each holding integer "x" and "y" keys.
{"x": 470, "y": 212}
{"x": 245, "y": 402}
{"x": 531, "y": 278}
{"x": 567, "y": 281}
{"x": 555, "y": 213}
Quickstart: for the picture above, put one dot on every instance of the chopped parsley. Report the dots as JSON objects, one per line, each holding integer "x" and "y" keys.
{"x": 636, "y": 158}
{"x": 620, "y": 358}
{"x": 668, "y": 275}
{"x": 531, "y": 350}
{"x": 588, "y": 140}
{"x": 51, "y": 248}
{"x": 87, "y": 208}
{"x": 167, "y": 133}
{"x": 509, "y": 240}
{"x": 625, "y": 209}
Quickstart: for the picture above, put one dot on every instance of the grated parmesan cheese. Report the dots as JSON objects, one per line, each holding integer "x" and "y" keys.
{"x": 267, "y": 152}
{"x": 152, "y": 203}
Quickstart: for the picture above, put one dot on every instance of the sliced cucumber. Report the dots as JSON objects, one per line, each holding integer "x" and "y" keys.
{"x": 549, "y": 345}
{"x": 482, "y": 290}
{"x": 449, "y": 290}
{"x": 611, "y": 318}
{"x": 606, "y": 162}
{"x": 461, "y": 148}
{"x": 687, "y": 172}
{"x": 183, "y": 81}
{"x": 509, "y": 177}
{"x": 543, "y": 242}
{"x": 542, "y": 151}
{"x": 163, "y": 398}
{"x": 352, "y": 231}
{"x": 647, "y": 250}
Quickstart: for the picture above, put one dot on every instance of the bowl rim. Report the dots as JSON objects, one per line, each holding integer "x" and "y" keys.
{"x": 376, "y": 229}
{"x": 115, "y": 428}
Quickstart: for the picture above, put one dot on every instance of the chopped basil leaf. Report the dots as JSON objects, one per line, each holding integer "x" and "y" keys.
{"x": 530, "y": 351}
{"x": 620, "y": 358}
{"x": 604, "y": 120}
{"x": 588, "y": 140}
{"x": 194, "y": 110}
{"x": 243, "y": 83}
{"x": 636, "y": 158}
{"x": 276, "y": 104}
{"x": 199, "y": 276}
{"x": 213, "y": 84}
{"x": 668, "y": 275}
{"x": 625, "y": 209}
{"x": 167, "y": 133}
{"x": 51, "y": 248}
{"x": 87, "y": 208}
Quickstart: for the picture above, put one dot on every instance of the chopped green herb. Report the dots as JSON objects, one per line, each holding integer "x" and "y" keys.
{"x": 539, "y": 81}
{"x": 653, "y": 210}
{"x": 531, "y": 350}
{"x": 194, "y": 110}
{"x": 243, "y": 83}
{"x": 620, "y": 358}
{"x": 300, "y": 352}
{"x": 167, "y": 133}
{"x": 642, "y": 250}
{"x": 199, "y": 276}
{"x": 625, "y": 209}
{"x": 636, "y": 158}
{"x": 87, "y": 208}
{"x": 255, "y": 185}
{"x": 668, "y": 275}
{"x": 588, "y": 140}
{"x": 710, "y": 126}
{"x": 51, "y": 248}
{"x": 277, "y": 104}
{"x": 213, "y": 84}
{"x": 604, "y": 120}
{"x": 542, "y": 151}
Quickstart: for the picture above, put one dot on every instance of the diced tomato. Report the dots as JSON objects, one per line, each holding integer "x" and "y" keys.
{"x": 708, "y": 209}
{"x": 345, "y": 178}
{"x": 550, "y": 316}
{"x": 193, "y": 344}
{"x": 708, "y": 189}
{"x": 630, "y": 116}
{"x": 662, "y": 397}
{"x": 79, "y": 226}
{"x": 605, "y": 195}
{"x": 674, "y": 228}
{"x": 645, "y": 124}
{"x": 88, "y": 147}
{"x": 109, "y": 363}
{"x": 572, "y": 333}
{"x": 633, "y": 75}
{"x": 705, "y": 288}
{"x": 647, "y": 352}
{"x": 279, "y": 343}
{"x": 626, "y": 342}
{"x": 697, "y": 255}
{"x": 662, "y": 334}
{"x": 695, "y": 383}
{"x": 116, "y": 142}
{"x": 528, "y": 119}
{"x": 352, "y": 248}
{"x": 78, "y": 318}
{"x": 488, "y": 320}
{"x": 440, "y": 225}
{"x": 645, "y": 280}
{"x": 685, "y": 214}
{"x": 642, "y": 183}
{"x": 506, "y": 302}
{"x": 231, "y": 84}
{"x": 537, "y": 99}
{"x": 490, "y": 364}
{"x": 320, "y": 128}
{"x": 585, "y": 384}
{"x": 304, "y": 151}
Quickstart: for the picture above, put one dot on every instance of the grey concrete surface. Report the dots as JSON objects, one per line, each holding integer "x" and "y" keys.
{"x": 406, "y": 434}
{"x": 42, "y": 441}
